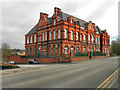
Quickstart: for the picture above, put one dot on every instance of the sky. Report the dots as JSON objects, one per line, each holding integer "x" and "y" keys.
{"x": 19, "y": 16}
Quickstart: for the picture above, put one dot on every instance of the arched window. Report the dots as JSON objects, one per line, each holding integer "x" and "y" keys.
{"x": 30, "y": 50}
{"x": 30, "y": 39}
{"x": 49, "y": 35}
{"x": 46, "y": 35}
{"x": 54, "y": 49}
{"x": 65, "y": 33}
{"x": 58, "y": 49}
{"x": 59, "y": 34}
{"x": 27, "y": 40}
{"x": 71, "y": 34}
{"x": 81, "y": 37}
{"x": 89, "y": 49}
{"x": 84, "y": 49}
{"x": 77, "y": 49}
{"x": 71, "y": 49}
{"x": 49, "y": 49}
{"x": 96, "y": 49}
{"x": 76, "y": 35}
{"x": 66, "y": 49}
{"x": 34, "y": 50}
{"x": 34, "y": 38}
{"x": 89, "y": 38}
{"x": 92, "y": 39}
{"x": 84, "y": 38}
{"x": 42, "y": 36}
{"x": 54, "y": 34}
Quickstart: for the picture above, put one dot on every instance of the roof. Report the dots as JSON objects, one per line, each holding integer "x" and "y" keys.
{"x": 32, "y": 31}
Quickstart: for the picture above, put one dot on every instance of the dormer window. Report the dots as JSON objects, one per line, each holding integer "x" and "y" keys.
{"x": 90, "y": 26}
{"x": 54, "y": 21}
{"x": 71, "y": 21}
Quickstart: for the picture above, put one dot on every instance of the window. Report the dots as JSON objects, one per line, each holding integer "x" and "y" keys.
{"x": 81, "y": 49}
{"x": 96, "y": 40}
{"x": 59, "y": 34}
{"x": 90, "y": 26}
{"x": 34, "y": 38}
{"x": 30, "y": 39}
{"x": 39, "y": 50}
{"x": 54, "y": 50}
{"x": 71, "y": 21}
{"x": 54, "y": 21}
{"x": 34, "y": 50}
{"x": 84, "y": 49}
{"x": 92, "y": 39}
{"x": 27, "y": 40}
{"x": 58, "y": 49}
{"x": 89, "y": 38}
{"x": 42, "y": 36}
{"x": 81, "y": 37}
{"x": 96, "y": 49}
{"x": 76, "y": 35}
{"x": 42, "y": 52}
{"x": 39, "y": 38}
{"x": 49, "y": 35}
{"x": 71, "y": 34}
{"x": 53, "y": 34}
{"x": 71, "y": 49}
{"x": 103, "y": 41}
{"x": 45, "y": 52}
{"x": 65, "y": 33}
{"x": 27, "y": 51}
{"x": 49, "y": 49}
{"x": 82, "y": 27}
{"x": 66, "y": 49}
{"x": 84, "y": 38}
{"x": 30, "y": 51}
{"x": 46, "y": 35}
{"x": 77, "y": 49}
{"x": 89, "y": 49}
{"x": 92, "y": 49}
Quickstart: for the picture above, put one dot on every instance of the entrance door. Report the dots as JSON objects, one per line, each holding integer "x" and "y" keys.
{"x": 90, "y": 56}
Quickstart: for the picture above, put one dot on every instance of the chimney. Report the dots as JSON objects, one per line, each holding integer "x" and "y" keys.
{"x": 42, "y": 15}
{"x": 56, "y": 10}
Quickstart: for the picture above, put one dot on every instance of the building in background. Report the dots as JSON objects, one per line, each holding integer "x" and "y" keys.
{"x": 65, "y": 34}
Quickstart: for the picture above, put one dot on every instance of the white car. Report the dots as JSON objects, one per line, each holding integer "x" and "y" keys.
{"x": 33, "y": 61}
{"x": 11, "y": 62}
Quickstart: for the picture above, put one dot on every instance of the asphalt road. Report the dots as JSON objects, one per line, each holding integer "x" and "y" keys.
{"x": 88, "y": 74}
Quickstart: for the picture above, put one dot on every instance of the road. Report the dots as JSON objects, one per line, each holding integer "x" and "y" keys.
{"x": 83, "y": 74}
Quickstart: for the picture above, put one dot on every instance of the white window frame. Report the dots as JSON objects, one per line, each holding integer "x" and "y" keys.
{"x": 30, "y": 39}
{"x": 71, "y": 34}
{"x": 45, "y": 35}
{"x": 49, "y": 35}
{"x": 54, "y": 36}
{"x": 77, "y": 35}
{"x": 27, "y": 40}
{"x": 42, "y": 36}
{"x": 65, "y": 33}
{"x": 34, "y": 38}
{"x": 59, "y": 33}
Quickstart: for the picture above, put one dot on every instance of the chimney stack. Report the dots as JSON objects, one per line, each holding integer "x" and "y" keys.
{"x": 56, "y": 10}
{"x": 43, "y": 15}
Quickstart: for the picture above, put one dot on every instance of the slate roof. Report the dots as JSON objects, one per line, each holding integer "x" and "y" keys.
{"x": 32, "y": 31}
{"x": 64, "y": 16}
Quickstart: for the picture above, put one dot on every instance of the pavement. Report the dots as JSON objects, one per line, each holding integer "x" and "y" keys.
{"x": 81, "y": 74}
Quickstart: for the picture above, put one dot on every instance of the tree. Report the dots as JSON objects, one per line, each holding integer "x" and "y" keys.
{"x": 5, "y": 51}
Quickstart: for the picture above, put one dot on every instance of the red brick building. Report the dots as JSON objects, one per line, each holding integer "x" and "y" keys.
{"x": 64, "y": 34}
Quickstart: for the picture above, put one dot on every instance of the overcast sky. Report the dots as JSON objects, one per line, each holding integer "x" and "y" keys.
{"x": 18, "y": 17}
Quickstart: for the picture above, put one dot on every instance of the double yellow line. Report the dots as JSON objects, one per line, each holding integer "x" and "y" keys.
{"x": 111, "y": 76}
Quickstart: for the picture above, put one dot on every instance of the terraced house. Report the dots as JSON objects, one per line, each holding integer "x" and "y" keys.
{"x": 65, "y": 34}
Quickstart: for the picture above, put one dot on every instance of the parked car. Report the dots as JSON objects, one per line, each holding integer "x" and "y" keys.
{"x": 11, "y": 62}
{"x": 33, "y": 61}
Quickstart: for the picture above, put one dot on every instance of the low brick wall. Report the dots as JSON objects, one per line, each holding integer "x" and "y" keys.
{"x": 18, "y": 59}
{"x": 93, "y": 57}
{"x": 79, "y": 58}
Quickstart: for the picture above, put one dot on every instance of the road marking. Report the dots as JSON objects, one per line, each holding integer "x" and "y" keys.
{"x": 107, "y": 79}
